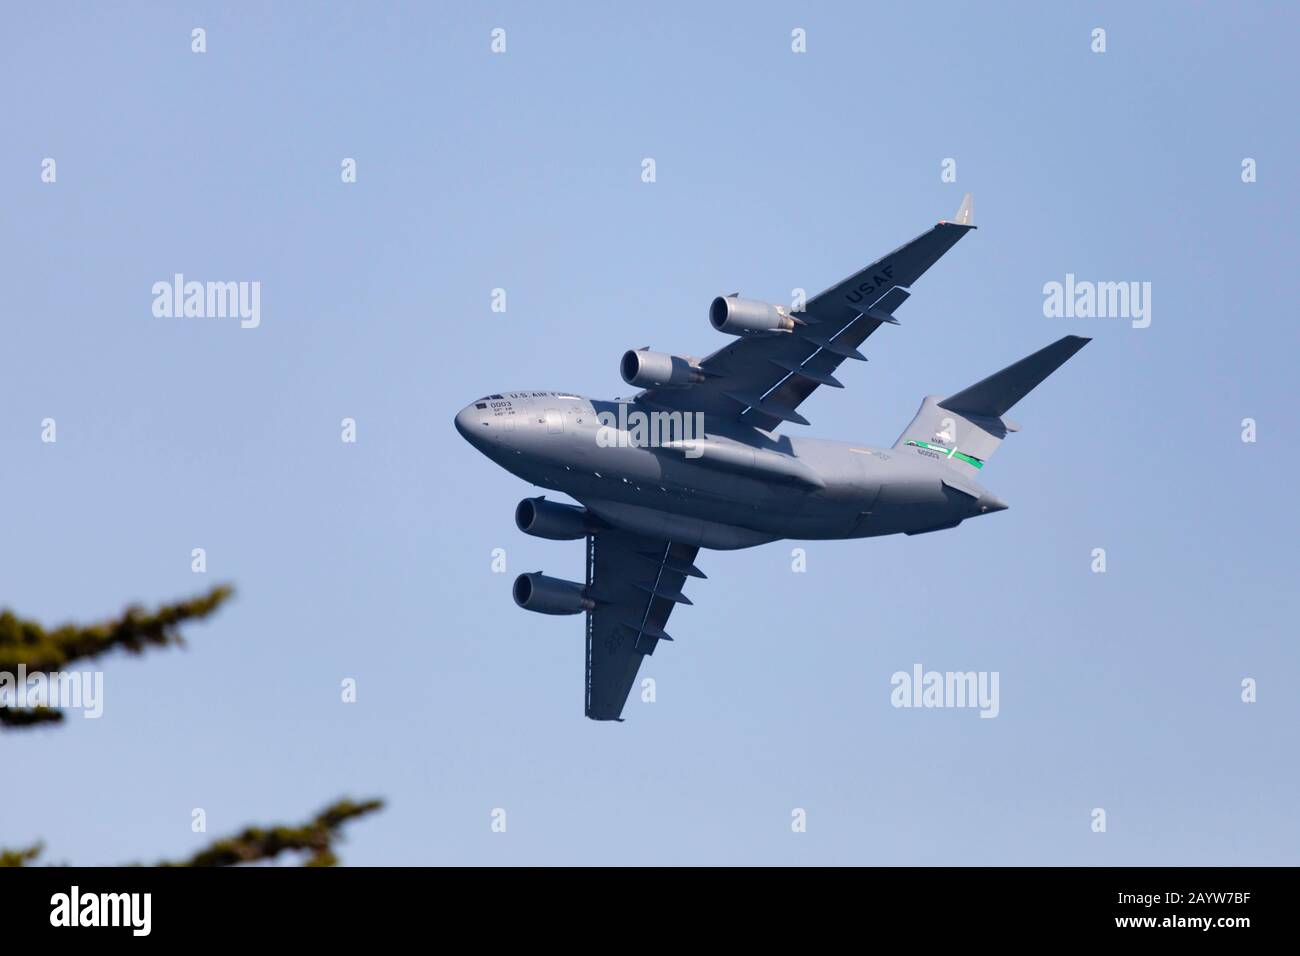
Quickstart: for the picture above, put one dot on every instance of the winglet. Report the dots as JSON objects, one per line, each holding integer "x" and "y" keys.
{"x": 965, "y": 212}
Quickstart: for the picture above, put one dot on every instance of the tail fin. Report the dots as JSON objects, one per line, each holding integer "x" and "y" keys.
{"x": 966, "y": 428}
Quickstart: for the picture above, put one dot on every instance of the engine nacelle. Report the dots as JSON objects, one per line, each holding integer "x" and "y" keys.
{"x": 537, "y": 592}
{"x": 552, "y": 519}
{"x": 646, "y": 369}
{"x": 744, "y": 316}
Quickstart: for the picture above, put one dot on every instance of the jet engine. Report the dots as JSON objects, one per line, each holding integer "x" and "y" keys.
{"x": 552, "y": 519}
{"x": 645, "y": 369}
{"x": 737, "y": 316}
{"x": 537, "y": 592}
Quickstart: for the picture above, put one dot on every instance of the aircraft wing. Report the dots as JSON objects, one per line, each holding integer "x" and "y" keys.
{"x": 762, "y": 378}
{"x": 635, "y": 581}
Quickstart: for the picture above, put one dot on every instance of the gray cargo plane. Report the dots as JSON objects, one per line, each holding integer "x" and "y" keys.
{"x": 693, "y": 460}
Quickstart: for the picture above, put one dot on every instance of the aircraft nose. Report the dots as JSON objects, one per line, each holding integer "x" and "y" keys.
{"x": 464, "y": 421}
{"x": 470, "y": 424}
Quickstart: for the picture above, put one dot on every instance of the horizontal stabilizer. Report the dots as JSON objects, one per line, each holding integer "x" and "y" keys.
{"x": 994, "y": 396}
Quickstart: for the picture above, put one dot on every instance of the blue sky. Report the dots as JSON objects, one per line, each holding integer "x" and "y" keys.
{"x": 774, "y": 170}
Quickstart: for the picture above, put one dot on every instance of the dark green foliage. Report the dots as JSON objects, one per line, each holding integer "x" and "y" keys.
{"x": 26, "y": 642}
{"x": 27, "y": 716}
{"x": 316, "y": 838}
{"x": 39, "y": 649}
{"x": 19, "y": 857}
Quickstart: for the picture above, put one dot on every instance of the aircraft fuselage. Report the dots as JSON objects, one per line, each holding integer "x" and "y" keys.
{"x": 724, "y": 485}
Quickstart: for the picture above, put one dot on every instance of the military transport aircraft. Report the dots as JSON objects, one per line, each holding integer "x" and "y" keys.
{"x": 693, "y": 460}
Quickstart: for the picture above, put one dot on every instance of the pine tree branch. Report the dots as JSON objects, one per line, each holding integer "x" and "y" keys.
{"x": 316, "y": 838}
{"x": 9, "y": 858}
{"x": 27, "y": 643}
{"x": 28, "y": 716}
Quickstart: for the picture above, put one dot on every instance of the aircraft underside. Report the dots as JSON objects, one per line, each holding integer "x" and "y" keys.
{"x": 696, "y": 459}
